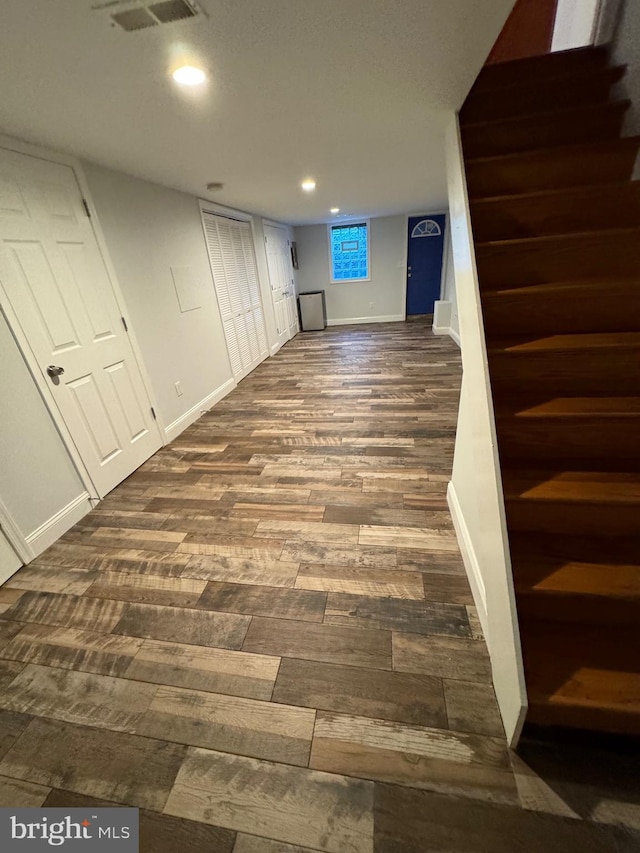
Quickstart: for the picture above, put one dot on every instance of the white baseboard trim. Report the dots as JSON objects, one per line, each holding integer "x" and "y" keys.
{"x": 14, "y": 535}
{"x": 354, "y": 321}
{"x": 446, "y": 330}
{"x": 469, "y": 557}
{"x": 10, "y": 562}
{"x": 180, "y": 424}
{"x": 274, "y": 349}
{"x": 58, "y": 524}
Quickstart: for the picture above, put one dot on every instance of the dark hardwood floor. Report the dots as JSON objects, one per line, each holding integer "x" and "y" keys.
{"x": 265, "y": 640}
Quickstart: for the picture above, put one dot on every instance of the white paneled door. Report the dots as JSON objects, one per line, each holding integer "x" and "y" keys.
{"x": 282, "y": 284}
{"x": 54, "y": 279}
{"x": 277, "y": 248}
{"x": 235, "y": 276}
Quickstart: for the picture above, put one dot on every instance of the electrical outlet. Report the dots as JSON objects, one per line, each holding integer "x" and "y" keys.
{"x": 372, "y": 305}
{"x": 178, "y": 389}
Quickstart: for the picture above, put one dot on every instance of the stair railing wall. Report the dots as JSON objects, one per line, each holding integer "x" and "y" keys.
{"x": 475, "y": 492}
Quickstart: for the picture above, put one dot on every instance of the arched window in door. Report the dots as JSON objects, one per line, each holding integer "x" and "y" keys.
{"x": 426, "y": 228}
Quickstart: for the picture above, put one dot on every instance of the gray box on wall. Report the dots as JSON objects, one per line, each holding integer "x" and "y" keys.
{"x": 313, "y": 310}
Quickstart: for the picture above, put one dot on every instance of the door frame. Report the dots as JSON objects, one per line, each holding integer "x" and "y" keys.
{"x": 443, "y": 272}
{"x": 19, "y": 147}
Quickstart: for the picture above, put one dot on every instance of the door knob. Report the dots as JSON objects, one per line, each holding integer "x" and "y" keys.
{"x": 54, "y": 371}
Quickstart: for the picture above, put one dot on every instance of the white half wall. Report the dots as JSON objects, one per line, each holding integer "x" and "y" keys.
{"x": 37, "y": 477}
{"x": 475, "y": 491}
{"x": 445, "y": 312}
{"x": 151, "y": 232}
{"x": 382, "y": 299}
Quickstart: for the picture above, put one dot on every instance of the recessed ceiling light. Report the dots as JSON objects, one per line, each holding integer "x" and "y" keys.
{"x": 308, "y": 185}
{"x": 189, "y": 75}
{"x": 335, "y": 210}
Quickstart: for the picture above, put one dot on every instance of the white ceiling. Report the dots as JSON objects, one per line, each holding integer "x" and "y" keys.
{"x": 352, "y": 92}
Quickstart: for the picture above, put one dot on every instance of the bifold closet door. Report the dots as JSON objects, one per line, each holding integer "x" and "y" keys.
{"x": 235, "y": 276}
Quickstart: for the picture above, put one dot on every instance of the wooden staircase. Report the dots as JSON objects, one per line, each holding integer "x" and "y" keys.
{"x": 556, "y": 221}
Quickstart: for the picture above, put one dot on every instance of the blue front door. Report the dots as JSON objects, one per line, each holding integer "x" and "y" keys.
{"x": 424, "y": 262}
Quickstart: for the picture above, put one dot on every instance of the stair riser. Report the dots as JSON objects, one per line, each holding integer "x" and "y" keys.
{"x": 551, "y": 169}
{"x": 539, "y": 68}
{"x": 583, "y": 373}
{"x": 540, "y": 96}
{"x": 589, "y": 719}
{"x": 563, "y": 313}
{"x": 574, "y": 438}
{"x": 541, "y": 132}
{"x": 560, "y": 549}
{"x": 578, "y": 518}
{"x": 577, "y": 609}
{"x": 590, "y": 256}
{"x": 560, "y": 213}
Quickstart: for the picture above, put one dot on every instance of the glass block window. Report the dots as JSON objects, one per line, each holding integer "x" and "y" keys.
{"x": 349, "y": 248}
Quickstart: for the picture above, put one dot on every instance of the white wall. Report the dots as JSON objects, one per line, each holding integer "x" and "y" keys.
{"x": 37, "y": 477}
{"x": 626, "y": 50}
{"x": 350, "y": 302}
{"x": 149, "y": 229}
{"x": 575, "y": 23}
{"x": 475, "y": 491}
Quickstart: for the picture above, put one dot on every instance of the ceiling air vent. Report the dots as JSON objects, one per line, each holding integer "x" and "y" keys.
{"x": 142, "y": 15}
{"x": 134, "y": 19}
{"x": 172, "y": 10}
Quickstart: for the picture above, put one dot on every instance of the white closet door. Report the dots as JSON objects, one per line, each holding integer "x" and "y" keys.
{"x": 255, "y": 301}
{"x": 235, "y": 277}
{"x": 212, "y": 228}
{"x": 246, "y": 333}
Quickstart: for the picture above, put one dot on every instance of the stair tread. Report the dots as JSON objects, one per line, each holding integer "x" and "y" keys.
{"x": 624, "y": 142}
{"x": 573, "y": 407}
{"x": 528, "y": 131}
{"x": 591, "y": 566}
{"x": 588, "y": 56}
{"x": 609, "y": 106}
{"x": 551, "y": 240}
{"x": 575, "y": 487}
{"x": 565, "y": 342}
{"x": 569, "y": 668}
{"x": 563, "y": 77}
{"x": 550, "y": 576}
{"x": 555, "y": 287}
{"x": 626, "y": 187}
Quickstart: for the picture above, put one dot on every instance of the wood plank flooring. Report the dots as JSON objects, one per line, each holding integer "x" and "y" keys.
{"x": 265, "y": 639}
